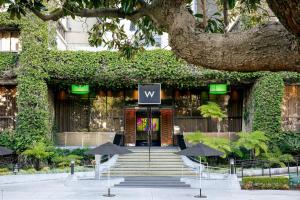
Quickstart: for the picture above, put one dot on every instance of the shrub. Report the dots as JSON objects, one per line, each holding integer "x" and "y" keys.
{"x": 37, "y": 153}
{"x": 30, "y": 171}
{"x": 4, "y": 171}
{"x": 64, "y": 161}
{"x": 290, "y": 142}
{"x": 255, "y": 142}
{"x": 265, "y": 183}
{"x": 219, "y": 143}
{"x": 7, "y": 138}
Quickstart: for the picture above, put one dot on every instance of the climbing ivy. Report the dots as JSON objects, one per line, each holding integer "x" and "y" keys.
{"x": 8, "y": 62}
{"x": 267, "y": 100}
{"x": 32, "y": 96}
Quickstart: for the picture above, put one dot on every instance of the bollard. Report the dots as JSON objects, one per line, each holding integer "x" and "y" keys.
{"x": 16, "y": 169}
{"x": 232, "y": 167}
{"x": 72, "y": 167}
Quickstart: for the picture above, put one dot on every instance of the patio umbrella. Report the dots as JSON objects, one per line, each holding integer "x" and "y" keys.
{"x": 5, "y": 151}
{"x": 200, "y": 150}
{"x": 109, "y": 149}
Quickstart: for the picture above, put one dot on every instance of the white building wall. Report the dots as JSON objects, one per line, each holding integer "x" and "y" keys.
{"x": 76, "y": 35}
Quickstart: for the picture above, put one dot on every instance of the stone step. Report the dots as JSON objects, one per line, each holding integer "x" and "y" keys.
{"x": 147, "y": 169}
{"x": 151, "y": 166}
{"x": 151, "y": 160}
{"x": 149, "y": 173}
{"x": 153, "y": 178}
{"x": 153, "y": 186}
{"x": 153, "y": 182}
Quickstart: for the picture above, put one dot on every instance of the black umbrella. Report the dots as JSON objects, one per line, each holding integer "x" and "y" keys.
{"x": 5, "y": 151}
{"x": 108, "y": 149}
{"x": 200, "y": 149}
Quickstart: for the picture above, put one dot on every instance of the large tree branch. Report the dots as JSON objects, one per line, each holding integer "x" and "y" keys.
{"x": 269, "y": 47}
{"x": 99, "y": 12}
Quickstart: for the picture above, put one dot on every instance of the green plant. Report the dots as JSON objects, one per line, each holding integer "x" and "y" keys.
{"x": 213, "y": 110}
{"x": 267, "y": 100}
{"x": 37, "y": 153}
{"x": 289, "y": 142}
{"x": 277, "y": 157}
{"x": 265, "y": 183}
{"x": 7, "y": 139}
{"x": 64, "y": 161}
{"x": 255, "y": 142}
{"x": 219, "y": 143}
{"x": 4, "y": 171}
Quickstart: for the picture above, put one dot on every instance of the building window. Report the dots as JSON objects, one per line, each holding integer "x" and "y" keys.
{"x": 157, "y": 39}
{"x": 9, "y": 41}
{"x": 61, "y": 31}
{"x": 132, "y": 27}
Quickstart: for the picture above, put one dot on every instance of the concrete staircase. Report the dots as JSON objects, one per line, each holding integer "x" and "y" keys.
{"x": 163, "y": 163}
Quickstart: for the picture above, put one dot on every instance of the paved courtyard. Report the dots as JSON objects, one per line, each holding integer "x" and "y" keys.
{"x": 67, "y": 189}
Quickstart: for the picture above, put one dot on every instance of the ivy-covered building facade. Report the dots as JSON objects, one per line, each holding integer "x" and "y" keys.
{"x": 37, "y": 102}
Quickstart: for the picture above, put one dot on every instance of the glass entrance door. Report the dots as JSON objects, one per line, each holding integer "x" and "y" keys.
{"x": 143, "y": 125}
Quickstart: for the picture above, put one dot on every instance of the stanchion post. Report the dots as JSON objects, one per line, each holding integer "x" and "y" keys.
{"x": 232, "y": 167}
{"x": 72, "y": 165}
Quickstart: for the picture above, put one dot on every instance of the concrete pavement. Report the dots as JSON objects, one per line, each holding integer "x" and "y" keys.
{"x": 89, "y": 189}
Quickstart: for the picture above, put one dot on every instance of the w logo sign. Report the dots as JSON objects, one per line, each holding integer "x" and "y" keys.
{"x": 149, "y": 94}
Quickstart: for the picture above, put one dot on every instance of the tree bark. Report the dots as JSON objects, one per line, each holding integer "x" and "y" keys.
{"x": 225, "y": 12}
{"x": 288, "y": 13}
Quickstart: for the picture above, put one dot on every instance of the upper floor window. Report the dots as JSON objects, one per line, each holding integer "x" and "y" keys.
{"x": 60, "y": 29}
{"x": 132, "y": 27}
{"x": 9, "y": 41}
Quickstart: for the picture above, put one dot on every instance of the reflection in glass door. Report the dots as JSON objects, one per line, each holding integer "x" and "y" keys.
{"x": 142, "y": 127}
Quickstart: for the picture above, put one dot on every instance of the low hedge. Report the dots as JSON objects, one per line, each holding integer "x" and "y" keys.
{"x": 265, "y": 183}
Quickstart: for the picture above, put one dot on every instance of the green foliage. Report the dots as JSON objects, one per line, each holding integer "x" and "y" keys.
{"x": 64, "y": 161}
{"x": 265, "y": 183}
{"x": 289, "y": 142}
{"x": 213, "y": 110}
{"x": 256, "y": 142}
{"x": 4, "y": 171}
{"x": 37, "y": 153}
{"x": 8, "y": 61}
{"x": 276, "y": 157}
{"x": 63, "y": 157}
{"x": 267, "y": 100}
{"x": 219, "y": 143}
{"x": 214, "y": 23}
{"x": 7, "y": 139}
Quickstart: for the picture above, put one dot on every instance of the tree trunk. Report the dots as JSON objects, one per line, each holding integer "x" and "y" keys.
{"x": 225, "y": 12}
{"x": 204, "y": 13}
{"x": 288, "y": 13}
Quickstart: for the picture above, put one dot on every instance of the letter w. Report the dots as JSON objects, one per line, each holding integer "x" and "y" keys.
{"x": 149, "y": 93}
